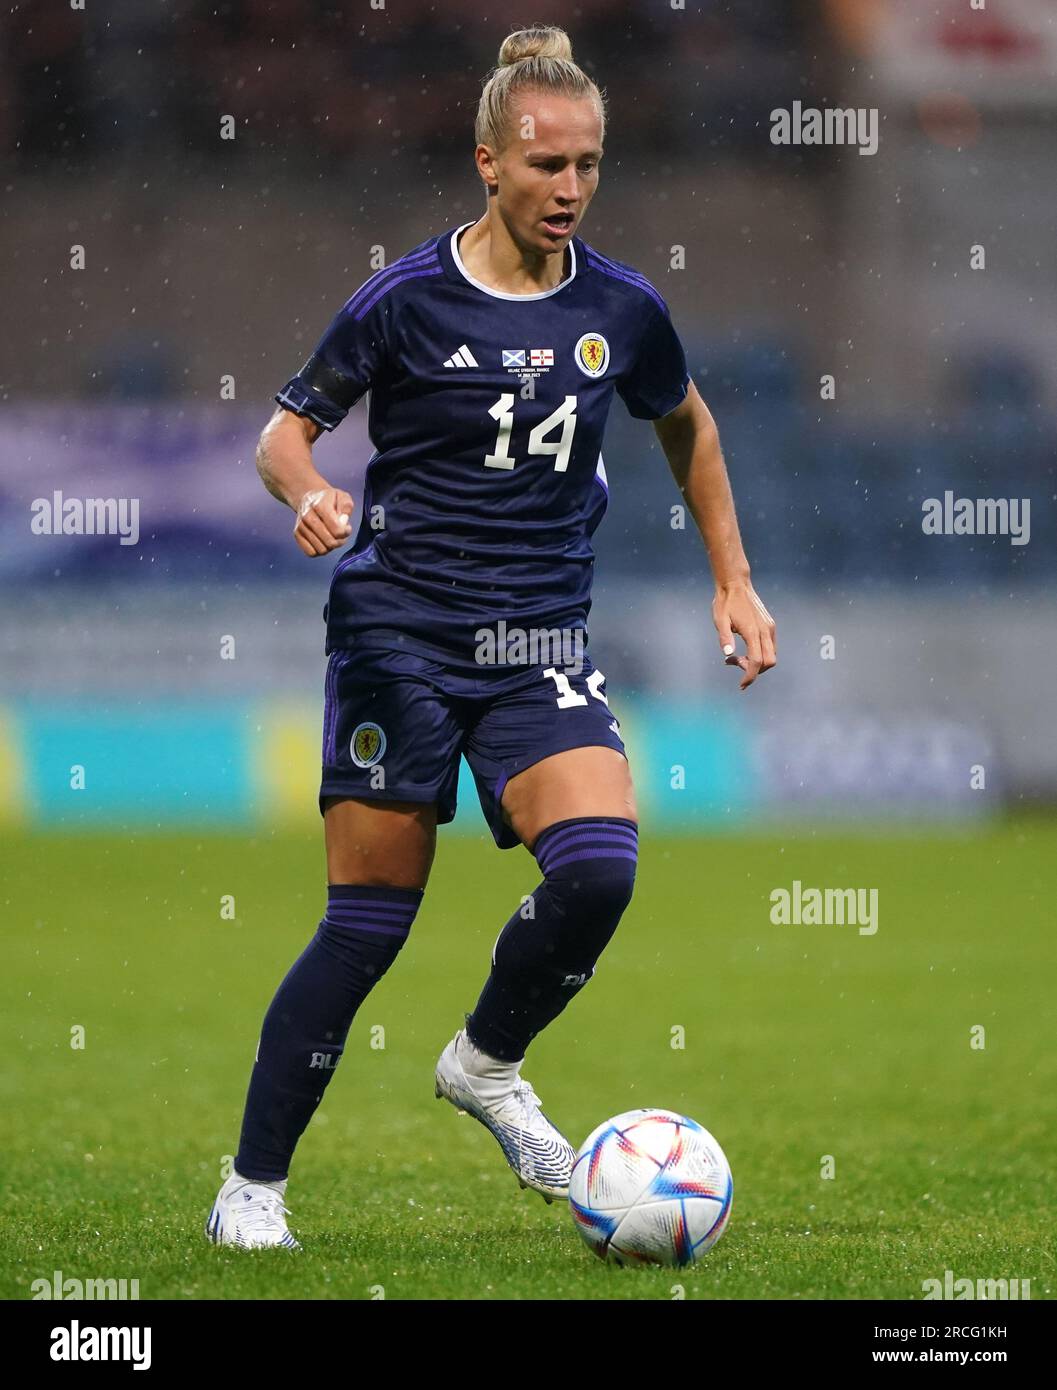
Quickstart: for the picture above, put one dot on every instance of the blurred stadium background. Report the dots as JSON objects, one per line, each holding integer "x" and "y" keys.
{"x": 208, "y": 259}
{"x": 906, "y": 660}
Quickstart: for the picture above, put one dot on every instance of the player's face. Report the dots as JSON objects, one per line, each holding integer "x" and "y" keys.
{"x": 548, "y": 171}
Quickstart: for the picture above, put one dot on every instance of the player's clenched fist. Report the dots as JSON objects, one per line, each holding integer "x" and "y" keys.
{"x": 323, "y": 521}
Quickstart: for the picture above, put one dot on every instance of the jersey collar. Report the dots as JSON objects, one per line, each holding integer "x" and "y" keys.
{"x": 451, "y": 244}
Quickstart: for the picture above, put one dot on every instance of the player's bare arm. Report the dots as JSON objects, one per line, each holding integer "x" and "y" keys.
{"x": 690, "y": 440}
{"x": 286, "y": 467}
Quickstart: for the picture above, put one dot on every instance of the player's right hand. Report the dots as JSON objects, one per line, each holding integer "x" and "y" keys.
{"x": 323, "y": 521}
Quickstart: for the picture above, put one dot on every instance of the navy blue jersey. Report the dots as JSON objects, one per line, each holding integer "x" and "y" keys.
{"x": 487, "y": 412}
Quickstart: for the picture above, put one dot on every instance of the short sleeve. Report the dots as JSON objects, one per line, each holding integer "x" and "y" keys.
{"x": 658, "y": 380}
{"x": 346, "y": 362}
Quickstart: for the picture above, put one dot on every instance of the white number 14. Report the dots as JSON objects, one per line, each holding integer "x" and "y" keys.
{"x": 567, "y": 696}
{"x": 565, "y": 415}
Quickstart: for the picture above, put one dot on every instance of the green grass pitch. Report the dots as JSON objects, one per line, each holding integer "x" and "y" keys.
{"x": 800, "y": 1042}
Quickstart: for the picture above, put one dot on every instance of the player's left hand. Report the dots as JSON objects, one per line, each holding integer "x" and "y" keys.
{"x": 737, "y": 608}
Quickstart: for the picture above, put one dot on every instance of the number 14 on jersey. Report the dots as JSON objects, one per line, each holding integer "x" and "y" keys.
{"x": 565, "y": 416}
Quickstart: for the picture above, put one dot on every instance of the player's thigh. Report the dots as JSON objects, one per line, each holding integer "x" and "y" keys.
{"x": 578, "y": 782}
{"x": 379, "y": 843}
{"x": 391, "y": 742}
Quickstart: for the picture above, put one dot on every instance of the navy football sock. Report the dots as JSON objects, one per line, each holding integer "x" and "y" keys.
{"x": 305, "y": 1028}
{"x": 547, "y": 952}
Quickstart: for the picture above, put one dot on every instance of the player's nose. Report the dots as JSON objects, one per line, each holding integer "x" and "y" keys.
{"x": 568, "y": 190}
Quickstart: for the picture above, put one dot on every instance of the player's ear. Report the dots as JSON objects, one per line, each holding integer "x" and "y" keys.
{"x": 484, "y": 157}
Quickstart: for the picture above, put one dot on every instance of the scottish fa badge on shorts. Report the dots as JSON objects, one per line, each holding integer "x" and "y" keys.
{"x": 367, "y": 744}
{"x": 591, "y": 354}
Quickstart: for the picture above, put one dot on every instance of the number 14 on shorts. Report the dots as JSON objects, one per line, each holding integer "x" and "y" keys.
{"x": 568, "y": 697}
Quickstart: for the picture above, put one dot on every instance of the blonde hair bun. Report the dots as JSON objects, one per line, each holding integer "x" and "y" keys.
{"x": 544, "y": 41}
{"x": 539, "y": 59}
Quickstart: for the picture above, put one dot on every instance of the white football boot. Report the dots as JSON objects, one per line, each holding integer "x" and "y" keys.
{"x": 250, "y": 1215}
{"x": 493, "y": 1092}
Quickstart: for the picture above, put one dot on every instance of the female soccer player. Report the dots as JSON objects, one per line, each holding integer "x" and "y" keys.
{"x": 456, "y": 622}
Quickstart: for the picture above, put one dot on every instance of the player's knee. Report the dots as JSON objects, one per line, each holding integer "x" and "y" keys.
{"x": 589, "y": 864}
{"x": 364, "y": 928}
{"x": 600, "y": 889}
{"x": 588, "y": 896}
{"x": 591, "y": 906}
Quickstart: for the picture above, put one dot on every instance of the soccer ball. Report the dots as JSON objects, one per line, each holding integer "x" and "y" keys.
{"x": 650, "y": 1187}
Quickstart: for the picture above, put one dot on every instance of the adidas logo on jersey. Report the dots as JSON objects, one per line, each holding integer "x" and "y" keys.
{"x": 461, "y": 357}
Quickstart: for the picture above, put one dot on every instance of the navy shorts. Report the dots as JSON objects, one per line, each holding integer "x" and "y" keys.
{"x": 395, "y": 724}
